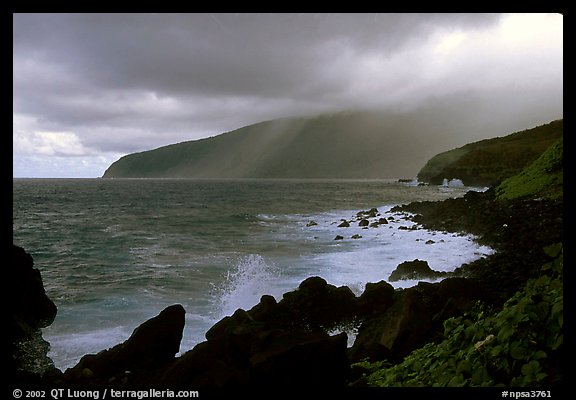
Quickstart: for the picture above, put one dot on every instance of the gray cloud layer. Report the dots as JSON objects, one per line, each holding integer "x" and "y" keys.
{"x": 118, "y": 83}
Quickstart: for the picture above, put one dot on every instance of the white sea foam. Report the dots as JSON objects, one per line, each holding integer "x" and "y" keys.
{"x": 377, "y": 251}
{"x": 243, "y": 286}
{"x": 68, "y": 348}
{"x": 347, "y": 262}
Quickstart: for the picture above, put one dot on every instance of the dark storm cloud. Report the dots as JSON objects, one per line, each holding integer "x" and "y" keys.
{"x": 129, "y": 82}
{"x": 240, "y": 55}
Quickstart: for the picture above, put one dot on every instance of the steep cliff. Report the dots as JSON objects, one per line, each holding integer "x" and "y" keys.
{"x": 488, "y": 162}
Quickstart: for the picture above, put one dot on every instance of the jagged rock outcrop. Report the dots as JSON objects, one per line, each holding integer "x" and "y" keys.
{"x": 150, "y": 348}
{"x": 275, "y": 343}
{"x": 285, "y": 343}
{"x": 413, "y": 318}
{"x": 249, "y": 353}
{"x": 29, "y": 310}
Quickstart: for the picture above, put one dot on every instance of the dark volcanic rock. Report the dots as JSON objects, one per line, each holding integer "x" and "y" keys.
{"x": 416, "y": 269}
{"x": 151, "y": 346}
{"x": 263, "y": 358}
{"x": 301, "y": 359}
{"x": 413, "y": 318}
{"x": 30, "y": 309}
{"x": 207, "y": 365}
{"x": 273, "y": 344}
{"x": 394, "y": 333}
{"x": 376, "y": 298}
{"x": 316, "y": 305}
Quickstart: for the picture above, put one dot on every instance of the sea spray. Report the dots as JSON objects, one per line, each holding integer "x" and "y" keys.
{"x": 243, "y": 286}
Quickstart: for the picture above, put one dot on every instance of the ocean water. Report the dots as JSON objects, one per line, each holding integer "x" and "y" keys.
{"x": 115, "y": 252}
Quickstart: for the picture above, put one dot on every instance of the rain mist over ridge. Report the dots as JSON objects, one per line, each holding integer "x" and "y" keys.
{"x": 349, "y": 144}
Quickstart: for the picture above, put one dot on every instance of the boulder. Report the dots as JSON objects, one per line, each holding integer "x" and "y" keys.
{"x": 376, "y": 298}
{"x": 373, "y": 212}
{"x": 404, "y": 326}
{"x": 416, "y": 269}
{"x": 410, "y": 318}
{"x": 450, "y": 297}
{"x": 151, "y": 346}
{"x": 344, "y": 224}
{"x": 265, "y": 309}
{"x": 317, "y": 305}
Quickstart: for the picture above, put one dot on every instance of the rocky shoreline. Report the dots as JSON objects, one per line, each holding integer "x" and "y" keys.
{"x": 301, "y": 340}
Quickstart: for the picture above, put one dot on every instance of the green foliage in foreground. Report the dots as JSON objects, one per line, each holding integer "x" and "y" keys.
{"x": 519, "y": 346}
{"x": 541, "y": 178}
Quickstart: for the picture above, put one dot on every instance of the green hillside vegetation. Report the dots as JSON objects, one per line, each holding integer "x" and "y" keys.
{"x": 488, "y": 162}
{"x": 543, "y": 178}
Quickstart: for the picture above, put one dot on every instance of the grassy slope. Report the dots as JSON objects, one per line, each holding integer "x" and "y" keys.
{"x": 542, "y": 178}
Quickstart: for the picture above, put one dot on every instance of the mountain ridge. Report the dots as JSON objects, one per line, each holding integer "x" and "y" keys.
{"x": 359, "y": 144}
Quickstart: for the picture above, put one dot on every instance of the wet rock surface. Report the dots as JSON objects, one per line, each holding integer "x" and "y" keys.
{"x": 416, "y": 269}
{"x": 29, "y": 310}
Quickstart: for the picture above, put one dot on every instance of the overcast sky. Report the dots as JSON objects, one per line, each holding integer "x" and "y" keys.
{"x": 89, "y": 88}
